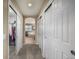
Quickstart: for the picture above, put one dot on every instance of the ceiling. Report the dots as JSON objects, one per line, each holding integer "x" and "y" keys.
{"x": 34, "y": 10}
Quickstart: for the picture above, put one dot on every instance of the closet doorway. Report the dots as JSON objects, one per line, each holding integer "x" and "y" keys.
{"x": 12, "y": 26}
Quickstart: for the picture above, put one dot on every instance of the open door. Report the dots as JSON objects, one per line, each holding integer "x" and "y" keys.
{"x": 59, "y": 30}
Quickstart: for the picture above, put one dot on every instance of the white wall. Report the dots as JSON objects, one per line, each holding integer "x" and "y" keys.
{"x": 19, "y": 27}
{"x": 39, "y": 33}
{"x": 57, "y": 24}
{"x": 19, "y": 40}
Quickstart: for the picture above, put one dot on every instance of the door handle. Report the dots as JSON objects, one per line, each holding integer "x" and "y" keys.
{"x": 73, "y": 52}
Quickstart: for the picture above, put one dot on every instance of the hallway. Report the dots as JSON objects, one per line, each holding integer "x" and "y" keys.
{"x": 39, "y": 29}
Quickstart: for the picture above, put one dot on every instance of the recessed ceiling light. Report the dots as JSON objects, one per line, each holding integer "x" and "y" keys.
{"x": 29, "y": 4}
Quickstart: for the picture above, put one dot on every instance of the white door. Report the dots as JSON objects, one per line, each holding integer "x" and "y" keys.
{"x": 59, "y": 30}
